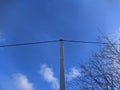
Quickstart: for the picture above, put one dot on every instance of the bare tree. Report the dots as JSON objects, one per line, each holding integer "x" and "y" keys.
{"x": 103, "y": 70}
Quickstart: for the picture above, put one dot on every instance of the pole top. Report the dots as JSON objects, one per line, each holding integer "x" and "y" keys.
{"x": 61, "y": 40}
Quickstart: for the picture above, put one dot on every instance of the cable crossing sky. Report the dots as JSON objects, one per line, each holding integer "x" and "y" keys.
{"x": 45, "y": 42}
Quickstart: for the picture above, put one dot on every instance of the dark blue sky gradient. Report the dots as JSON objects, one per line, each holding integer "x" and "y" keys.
{"x": 40, "y": 20}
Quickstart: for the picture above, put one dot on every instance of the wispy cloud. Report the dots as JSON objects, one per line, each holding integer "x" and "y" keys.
{"x": 48, "y": 75}
{"x": 2, "y": 38}
{"x": 115, "y": 35}
{"x": 22, "y": 82}
{"x": 16, "y": 82}
{"x": 73, "y": 73}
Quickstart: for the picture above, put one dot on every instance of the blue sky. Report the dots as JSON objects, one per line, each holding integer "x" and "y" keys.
{"x": 40, "y": 20}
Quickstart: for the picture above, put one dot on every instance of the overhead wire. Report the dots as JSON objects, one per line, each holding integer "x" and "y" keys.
{"x": 31, "y": 43}
{"x": 43, "y": 42}
{"x": 87, "y": 42}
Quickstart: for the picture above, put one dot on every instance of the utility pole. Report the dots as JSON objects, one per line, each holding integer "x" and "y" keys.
{"x": 62, "y": 75}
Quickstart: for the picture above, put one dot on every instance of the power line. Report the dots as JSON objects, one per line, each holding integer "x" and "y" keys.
{"x": 87, "y": 42}
{"x": 73, "y": 41}
{"x": 32, "y": 43}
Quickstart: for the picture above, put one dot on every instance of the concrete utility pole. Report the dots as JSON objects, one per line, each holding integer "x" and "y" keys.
{"x": 62, "y": 76}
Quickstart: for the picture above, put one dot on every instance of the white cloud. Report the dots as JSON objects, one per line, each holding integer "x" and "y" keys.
{"x": 74, "y": 73}
{"x": 48, "y": 75}
{"x": 2, "y": 38}
{"x": 16, "y": 82}
{"x": 22, "y": 82}
{"x": 115, "y": 35}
